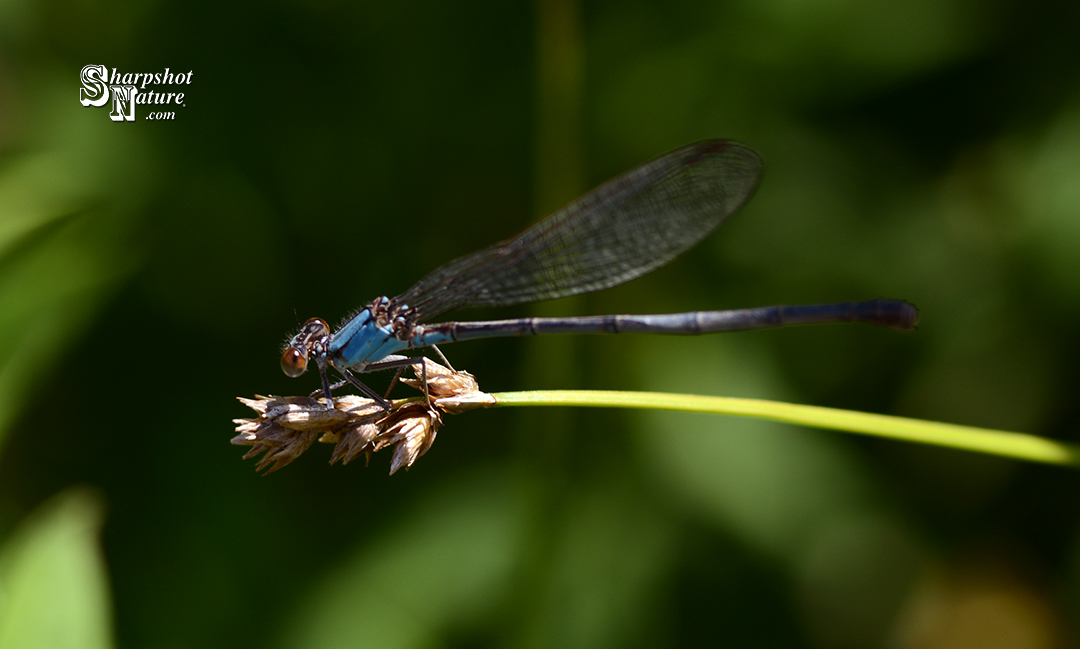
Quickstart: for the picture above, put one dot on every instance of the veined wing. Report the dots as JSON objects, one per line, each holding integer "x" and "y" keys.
{"x": 621, "y": 230}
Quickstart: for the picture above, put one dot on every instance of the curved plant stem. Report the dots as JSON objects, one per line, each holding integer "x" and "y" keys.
{"x": 1018, "y": 446}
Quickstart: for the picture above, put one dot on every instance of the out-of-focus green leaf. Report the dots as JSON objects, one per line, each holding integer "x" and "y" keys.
{"x": 798, "y": 498}
{"x": 33, "y": 192}
{"x": 877, "y": 38}
{"x": 763, "y": 480}
{"x": 1043, "y": 181}
{"x": 66, "y": 213}
{"x": 444, "y": 566}
{"x": 599, "y": 585}
{"x": 48, "y": 295}
{"x": 53, "y": 588}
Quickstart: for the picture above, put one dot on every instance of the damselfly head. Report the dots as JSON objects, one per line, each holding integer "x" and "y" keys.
{"x": 311, "y": 338}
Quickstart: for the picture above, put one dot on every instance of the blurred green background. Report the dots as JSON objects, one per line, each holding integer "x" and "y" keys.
{"x": 330, "y": 152}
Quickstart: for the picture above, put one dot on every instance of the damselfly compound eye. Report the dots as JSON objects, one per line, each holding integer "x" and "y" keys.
{"x": 293, "y": 362}
{"x": 316, "y": 327}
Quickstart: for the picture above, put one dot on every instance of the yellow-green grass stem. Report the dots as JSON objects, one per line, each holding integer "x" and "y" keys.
{"x": 1013, "y": 445}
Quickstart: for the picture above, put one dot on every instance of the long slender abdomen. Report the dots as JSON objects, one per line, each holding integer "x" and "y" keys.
{"x": 894, "y": 314}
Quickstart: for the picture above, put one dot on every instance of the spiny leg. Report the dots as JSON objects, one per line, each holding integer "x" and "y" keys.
{"x": 333, "y": 386}
{"x": 325, "y": 388}
{"x": 371, "y": 394}
{"x": 445, "y": 360}
{"x": 393, "y": 381}
{"x": 402, "y": 362}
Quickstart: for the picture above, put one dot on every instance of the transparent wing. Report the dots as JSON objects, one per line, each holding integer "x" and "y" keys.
{"x": 621, "y": 230}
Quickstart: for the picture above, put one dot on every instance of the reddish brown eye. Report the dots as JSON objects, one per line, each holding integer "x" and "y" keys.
{"x": 316, "y": 327}
{"x": 293, "y": 362}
